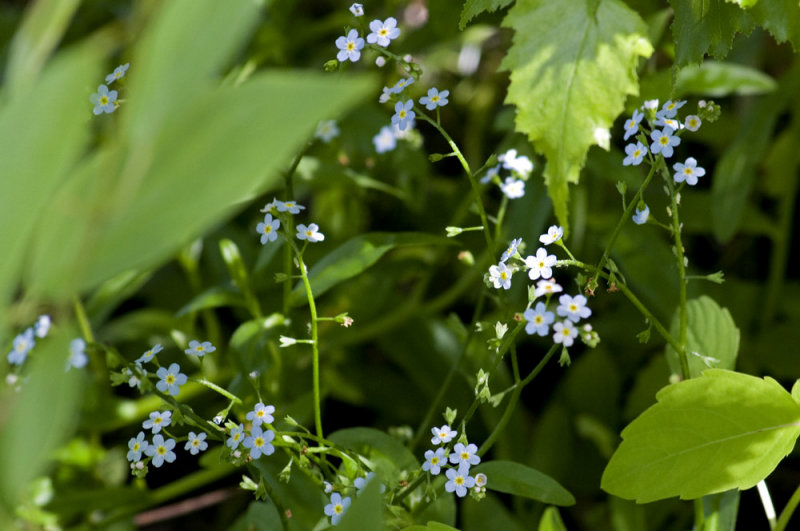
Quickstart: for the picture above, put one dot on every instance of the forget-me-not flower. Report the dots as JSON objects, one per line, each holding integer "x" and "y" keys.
{"x": 118, "y": 73}
{"x": 261, "y": 414}
{"x": 635, "y": 154}
{"x": 148, "y": 355}
{"x": 196, "y": 443}
{"x": 268, "y": 229}
{"x": 349, "y": 47}
{"x": 259, "y": 442}
{"x": 337, "y": 507}
{"x": 688, "y": 171}
{"x": 459, "y": 481}
{"x": 540, "y": 265}
{"x": 434, "y": 99}
{"x": 403, "y": 114}
{"x": 200, "y": 349}
{"x": 442, "y": 435}
{"x": 161, "y": 450}
{"x": 103, "y": 100}
{"x": 77, "y": 354}
{"x": 500, "y": 275}
{"x": 310, "y": 233}
{"x": 383, "y": 32}
{"x": 171, "y": 379}
{"x": 434, "y": 460}
{"x": 136, "y": 446}
{"x": 664, "y": 141}
{"x": 640, "y": 218}
{"x": 539, "y": 319}
{"x": 23, "y": 344}
{"x": 157, "y": 421}
{"x": 573, "y": 308}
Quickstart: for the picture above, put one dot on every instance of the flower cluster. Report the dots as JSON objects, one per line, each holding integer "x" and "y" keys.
{"x": 259, "y": 440}
{"x": 664, "y": 129}
{"x": 269, "y": 227}
{"x": 458, "y": 461}
{"x": 539, "y": 266}
{"x": 520, "y": 167}
{"x": 382, "y": 33}
{"x": 104, "y": 100}
{"x": 23, "y": 344}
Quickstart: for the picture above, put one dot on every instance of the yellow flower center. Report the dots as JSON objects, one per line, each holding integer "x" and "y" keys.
{"x": 103, "y": 100}
{"x": 538, "y": 319}
{"x": 351, "y": 46}
{"x": 464, "y": 455}
{"x": 402, "y": 114}
{"x": 259, "y": 442}
{"x": 637, "y": 153}
{"x": 663, "y": 140}
{"x": 338, "y": 509}
{"x": 504, "y": 275}
{"x": 136, "y": 447}
{"x": 687, "y": 171}
{"x": 573, "y": 308}
{"x": 383, "y": 32}
{"x": 459, "y": 480}
{"x": 162, "y": 450}
{"x": 170, "y": 379}
{"x": 434, "y": 460}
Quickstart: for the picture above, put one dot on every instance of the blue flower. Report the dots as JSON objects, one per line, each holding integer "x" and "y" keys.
{"x": 433, "y": 461}
{"x": 147, "y": 356}
{"x": 434, "y": 99}
{"x": 460, "y": 481}
{"x": 403, "y": 114}
{"x": 539, "y": 319}
{"x": 349, "y": 47}
{"x": 491, "y": 173}
{"x": 383, "y": 32}
{"x": 360, "y": 483}
{"x": 564, "y": 332}
{"x": 664, "y": 141}
{"x": 512, "y": 250}
{"x": 23, "y": 344}
{"x": 540, "y": 265}
{"x": 442, "y": 435}
{"x": 200, "y": 349}
{"x": 635, "y": 153}
{"x": 337, "y": 507}
{"x": 196, "y": 443}
{"x": 171, "y": 379}
{"x": 465, "y": 456}
{"x": 640, "y": 218}
{"x": 157, "y": 420}
{"x": 261, "y": 414}
{"x": 290, "y": 206}
{"x": 118, "y": 73}
{"x": 236, "y": 436}
{"x": 385, "y": 140}
{"x": 553, "y": 234}
{"x": 77, "y": 354}
{"x": 513, "y": 188}
{"x": 268, "y": 229}
{"x": 327, "y": 130}
{"x": 136, "y": 446}
{"x": 259, "y": 442}
{"x": 632, "y": 124}
{"x": 103, "y": 100}
{"x": 400, "y": 85}
{"x": 161, "y": 450}
{"x": 670, "y": 108}
{"x": 688, "y": 171}
{"x": 573, "y": 308}
{"x": 357, "y": 10}
{"x": 310, "y": 233}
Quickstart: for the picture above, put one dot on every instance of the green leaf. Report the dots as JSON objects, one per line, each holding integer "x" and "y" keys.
{"x": 520, "y": 480}
{"x": 356, "y": 255}
{"x": 710, "y": 332}
{"x": 721, "y": 431}
{"x": 796, "y": 391}
{"x": 706, "y": 27}
{"x": 260, "y": 516}
{"x": 488, "y": 513}
{"x": 572, "y": 65}
{"x": 781, "y": 18}
{"x": 716, "y": 79}
{"x": 473, "y": 8}
{"x": 365, "y": 511}
{"x": 385, "y": 451}
{"x": 744, "y": 4}
{"x": 551, "y": 521}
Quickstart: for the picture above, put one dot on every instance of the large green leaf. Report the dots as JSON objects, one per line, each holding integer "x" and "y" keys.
{"x": 356, "y": 255}
{"x": 572, "y": 65}
{"x": 43, "y": 131}
{"x": 706, "y": 27}
{"x": 781, "y": 18}
{"x": 721, "y": 431}
{"x": 385, "y": 451}
{"x": 365, "y": 511}
{"x": 551, "y": 521}
{"x": 520, "y": 480}
{"x": 710, "y": 331}
{"x": 473, "y": 8}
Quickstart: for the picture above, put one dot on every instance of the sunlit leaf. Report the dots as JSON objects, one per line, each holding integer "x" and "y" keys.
{"x": 473, "y": 8}
{"x": 573, "y": 64}
{"x": 520, "y": 480}
{"x": 721, "y": 431}
{"x": 706, "y": 27}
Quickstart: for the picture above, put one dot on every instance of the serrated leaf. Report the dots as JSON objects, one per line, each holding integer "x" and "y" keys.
{"x": 721, "y": 431}
{"x": 706, "y": 27}
{"x": 356, "y": 255}
{"x": 716, "y": 79}
{"x": 572, "y": 65}
{"x": 473, "y": 8}
{"x": 710, "y": 331}
{"x": 520, "y": 480}
{"x": 781, "y": 18}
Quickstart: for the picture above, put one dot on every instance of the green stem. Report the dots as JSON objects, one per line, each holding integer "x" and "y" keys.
{"x": 625, "y": 217}
{"x": 512, "y": 403}
{"x": 278, "y": 505}
{"x": 211, "y": 385}
{"x": 476, "y": 189}
{"x": 83, "y": 321}
{"x": 788, "y": 511}
{"x": 676, "y": 231}
{"x": 314, "y": 346}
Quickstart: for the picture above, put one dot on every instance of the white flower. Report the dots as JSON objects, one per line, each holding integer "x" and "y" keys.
{"x": 513, "y": 188}
{"x": 692, "y": 122}
{"x": 442, "y": 435}
{"x": 500, "y": 276}
{"x": 327, "y": 130}
{"x": 541, "y": 264}
{"x": 287, "y": 341}
{"x": 520, "y": 164}
{"x": 357, "y": 10}
{"x": 554, "y": 233}
{"x": 573, "y": 308}
{"x": 650, "y": 105}
{"x": 565, "y": 333}
{"x": 635, "y": 153}
{"x": 385, "y": 140}
{"x": 546, "y": 287}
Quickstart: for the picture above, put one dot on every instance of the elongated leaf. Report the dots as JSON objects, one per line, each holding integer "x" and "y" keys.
{"x": 386, "y": 451}
{"x": 551, "y": 521}
{"x": 520, "y": 480}
{"x": 213, "y": 297}
{"x": 356, "y": 255}
{"x": 716, "y": 79}
{"x": 721, "y": 431}
{"x": 706, "y": 27}
{"x": 572, "y": 65}
{"x": 49, "y": 118}
{"x": 710, "y": 332}
{"x": 473, "y": 8}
